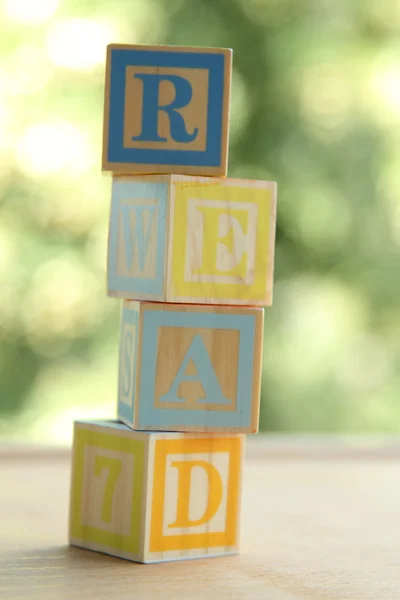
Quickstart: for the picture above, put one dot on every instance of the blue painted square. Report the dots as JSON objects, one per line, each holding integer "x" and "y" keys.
{"x": 120, "y": 59}
{"x": 149, "y": 416}
{"x": 123, "y": 192}
{"x": 129, "y": 336}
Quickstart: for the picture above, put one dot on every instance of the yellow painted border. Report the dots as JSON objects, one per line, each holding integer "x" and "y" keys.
{"x": 162, "y": 543}
{"x": 108, "y": 441}
{"x": 264, "y": 199}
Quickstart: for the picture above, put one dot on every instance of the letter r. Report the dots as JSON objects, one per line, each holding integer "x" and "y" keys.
{"x": 151, "y": 107}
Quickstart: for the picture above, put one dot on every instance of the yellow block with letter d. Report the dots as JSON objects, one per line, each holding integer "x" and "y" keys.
{"x": 152, "y": 497}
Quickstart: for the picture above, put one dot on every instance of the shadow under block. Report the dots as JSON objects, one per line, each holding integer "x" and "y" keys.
{"x": 190, "y": 368}
{"x": 152, "y": 497}
{"x": 198, "y": 240}
{"x": 166, "y": 109}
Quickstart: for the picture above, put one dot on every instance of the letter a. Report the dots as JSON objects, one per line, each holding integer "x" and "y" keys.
{"x": 197, "y": 353}
{"x": 151, "y": 107}
{"x": 215, "y": 490}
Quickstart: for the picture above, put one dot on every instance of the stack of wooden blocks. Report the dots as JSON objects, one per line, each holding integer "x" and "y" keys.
{"x": 191, "y": 256}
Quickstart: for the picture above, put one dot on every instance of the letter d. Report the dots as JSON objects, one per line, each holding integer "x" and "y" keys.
{"x": 215, "y": 490}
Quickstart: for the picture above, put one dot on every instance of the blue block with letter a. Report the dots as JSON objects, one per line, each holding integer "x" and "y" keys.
{"x": 184, "y": 367}
{"x": 167, "y": 110}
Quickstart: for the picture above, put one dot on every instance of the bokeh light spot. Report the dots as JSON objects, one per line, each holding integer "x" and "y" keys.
{"x": 325, "y": 99}
{"x": 61, "y": 300}
{"x": 31, "y": 12}
{"x": 47, "y": 148}
{"x": 240, "y": 106}
{"x": 365, "y": 364}
{"x": 385, "y": 84}
{"x": 79, "y": 44}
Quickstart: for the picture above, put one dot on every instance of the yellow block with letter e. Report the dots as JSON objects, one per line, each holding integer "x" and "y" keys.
{"x": 196, "y": 240}
{"x": 222, "y": 245}
{"x": 151, "y": 497}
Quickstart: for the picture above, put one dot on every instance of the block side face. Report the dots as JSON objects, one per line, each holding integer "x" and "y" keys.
{"x": 106, "y": 112}
{"x": 221, "y": 241}
{"x": 225, "y": 116}
{"x": 271, "y": 249}
{"x": 167, "y": 109}
{"x": 141, "y": 364}
{"x": 195, "y": 497}
{"x": 106, "y": 491}
{"x": 73, "y": 485}
{"x": 147, "y": 494}
{"x": 137, "y": 239}
{"x": 199, "y": 374}
{"x": 128, "y": 362}
{"x": 257, "y": 370}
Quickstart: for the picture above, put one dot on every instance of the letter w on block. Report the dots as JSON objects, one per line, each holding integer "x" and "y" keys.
{"x": 137, "y": 224}
{"x": 197, "y": 356}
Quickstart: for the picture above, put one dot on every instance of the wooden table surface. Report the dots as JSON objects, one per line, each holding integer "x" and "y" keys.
{"x": 321, "y": 520}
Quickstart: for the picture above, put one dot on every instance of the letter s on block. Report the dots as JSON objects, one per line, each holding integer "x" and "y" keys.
{"x": 215, "y": 492}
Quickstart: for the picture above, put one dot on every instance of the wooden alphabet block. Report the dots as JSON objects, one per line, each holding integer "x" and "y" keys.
{"x": 166, "y": 109}
{"x": 152, "y": 497}
{"x": 196, "y": 240}
{"x": 190, "y": 368}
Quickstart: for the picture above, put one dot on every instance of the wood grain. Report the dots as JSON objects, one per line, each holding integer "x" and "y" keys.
{"x": 320, "y": 522}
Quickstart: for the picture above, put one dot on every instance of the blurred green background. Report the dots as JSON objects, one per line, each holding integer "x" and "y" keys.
{"x": 315, "y": 106}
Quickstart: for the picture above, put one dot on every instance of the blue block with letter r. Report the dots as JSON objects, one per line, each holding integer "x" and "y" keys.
{"x": 167, "y": 110}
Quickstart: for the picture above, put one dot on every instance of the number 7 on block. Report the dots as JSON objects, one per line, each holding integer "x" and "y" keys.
{"x": 114, "y": 467}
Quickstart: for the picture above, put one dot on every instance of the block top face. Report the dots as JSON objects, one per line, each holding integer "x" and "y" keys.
{"x": 120, "y": 428}
{"x": 166, "y": 109}
{"x": 113, "y": 423}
